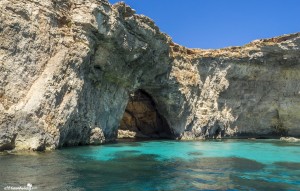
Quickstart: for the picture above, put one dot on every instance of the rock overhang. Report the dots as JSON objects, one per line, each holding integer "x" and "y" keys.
{"x": 74, "y": 78}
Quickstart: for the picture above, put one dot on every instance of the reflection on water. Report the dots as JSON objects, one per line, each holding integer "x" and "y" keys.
{"x": 159, "y": 165}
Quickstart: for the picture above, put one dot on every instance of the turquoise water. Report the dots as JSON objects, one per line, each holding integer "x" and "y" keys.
{"x": 159, "y": 165}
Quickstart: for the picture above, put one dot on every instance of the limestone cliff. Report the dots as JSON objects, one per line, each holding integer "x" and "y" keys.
{"x": 69, "y": 67}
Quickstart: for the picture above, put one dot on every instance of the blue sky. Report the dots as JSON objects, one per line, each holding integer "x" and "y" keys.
{"x": 220, "y": 23}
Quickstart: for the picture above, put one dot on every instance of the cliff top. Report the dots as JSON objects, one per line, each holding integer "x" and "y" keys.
{"x": 232, "y": 51}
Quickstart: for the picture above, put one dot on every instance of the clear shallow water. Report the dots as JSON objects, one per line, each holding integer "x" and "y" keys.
{"x": 159, "y": 165}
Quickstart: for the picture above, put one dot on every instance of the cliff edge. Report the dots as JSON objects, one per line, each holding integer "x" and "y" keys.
{"x": 68, "y": 69}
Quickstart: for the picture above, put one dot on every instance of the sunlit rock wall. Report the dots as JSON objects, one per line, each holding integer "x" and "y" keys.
{"x": 67, "y": 69}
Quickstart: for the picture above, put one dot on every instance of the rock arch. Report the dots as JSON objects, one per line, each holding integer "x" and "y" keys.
{"x": 141, "y": 118}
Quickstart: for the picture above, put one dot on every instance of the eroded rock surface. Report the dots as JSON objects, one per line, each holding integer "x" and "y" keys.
{"x": 68, "y": 68}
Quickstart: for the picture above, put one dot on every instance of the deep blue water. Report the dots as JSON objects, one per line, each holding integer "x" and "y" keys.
{"x": 159, "y": 165}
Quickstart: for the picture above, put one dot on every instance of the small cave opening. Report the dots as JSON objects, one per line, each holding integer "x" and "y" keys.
{"x": 141, "y": 119}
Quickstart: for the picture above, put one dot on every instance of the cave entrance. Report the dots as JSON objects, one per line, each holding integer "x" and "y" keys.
{"x": 142, "y": 120}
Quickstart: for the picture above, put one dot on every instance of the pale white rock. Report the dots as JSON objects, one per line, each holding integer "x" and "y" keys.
{"x": 289, "y": 139}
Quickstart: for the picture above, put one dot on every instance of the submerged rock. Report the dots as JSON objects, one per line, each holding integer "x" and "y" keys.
{"x": 68, "y": 69}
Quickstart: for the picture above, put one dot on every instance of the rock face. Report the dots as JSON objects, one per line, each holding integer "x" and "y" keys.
{"x": 69, "y": 67}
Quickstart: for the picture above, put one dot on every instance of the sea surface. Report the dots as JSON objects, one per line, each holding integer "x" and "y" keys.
{"x": 158, "y": 165}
